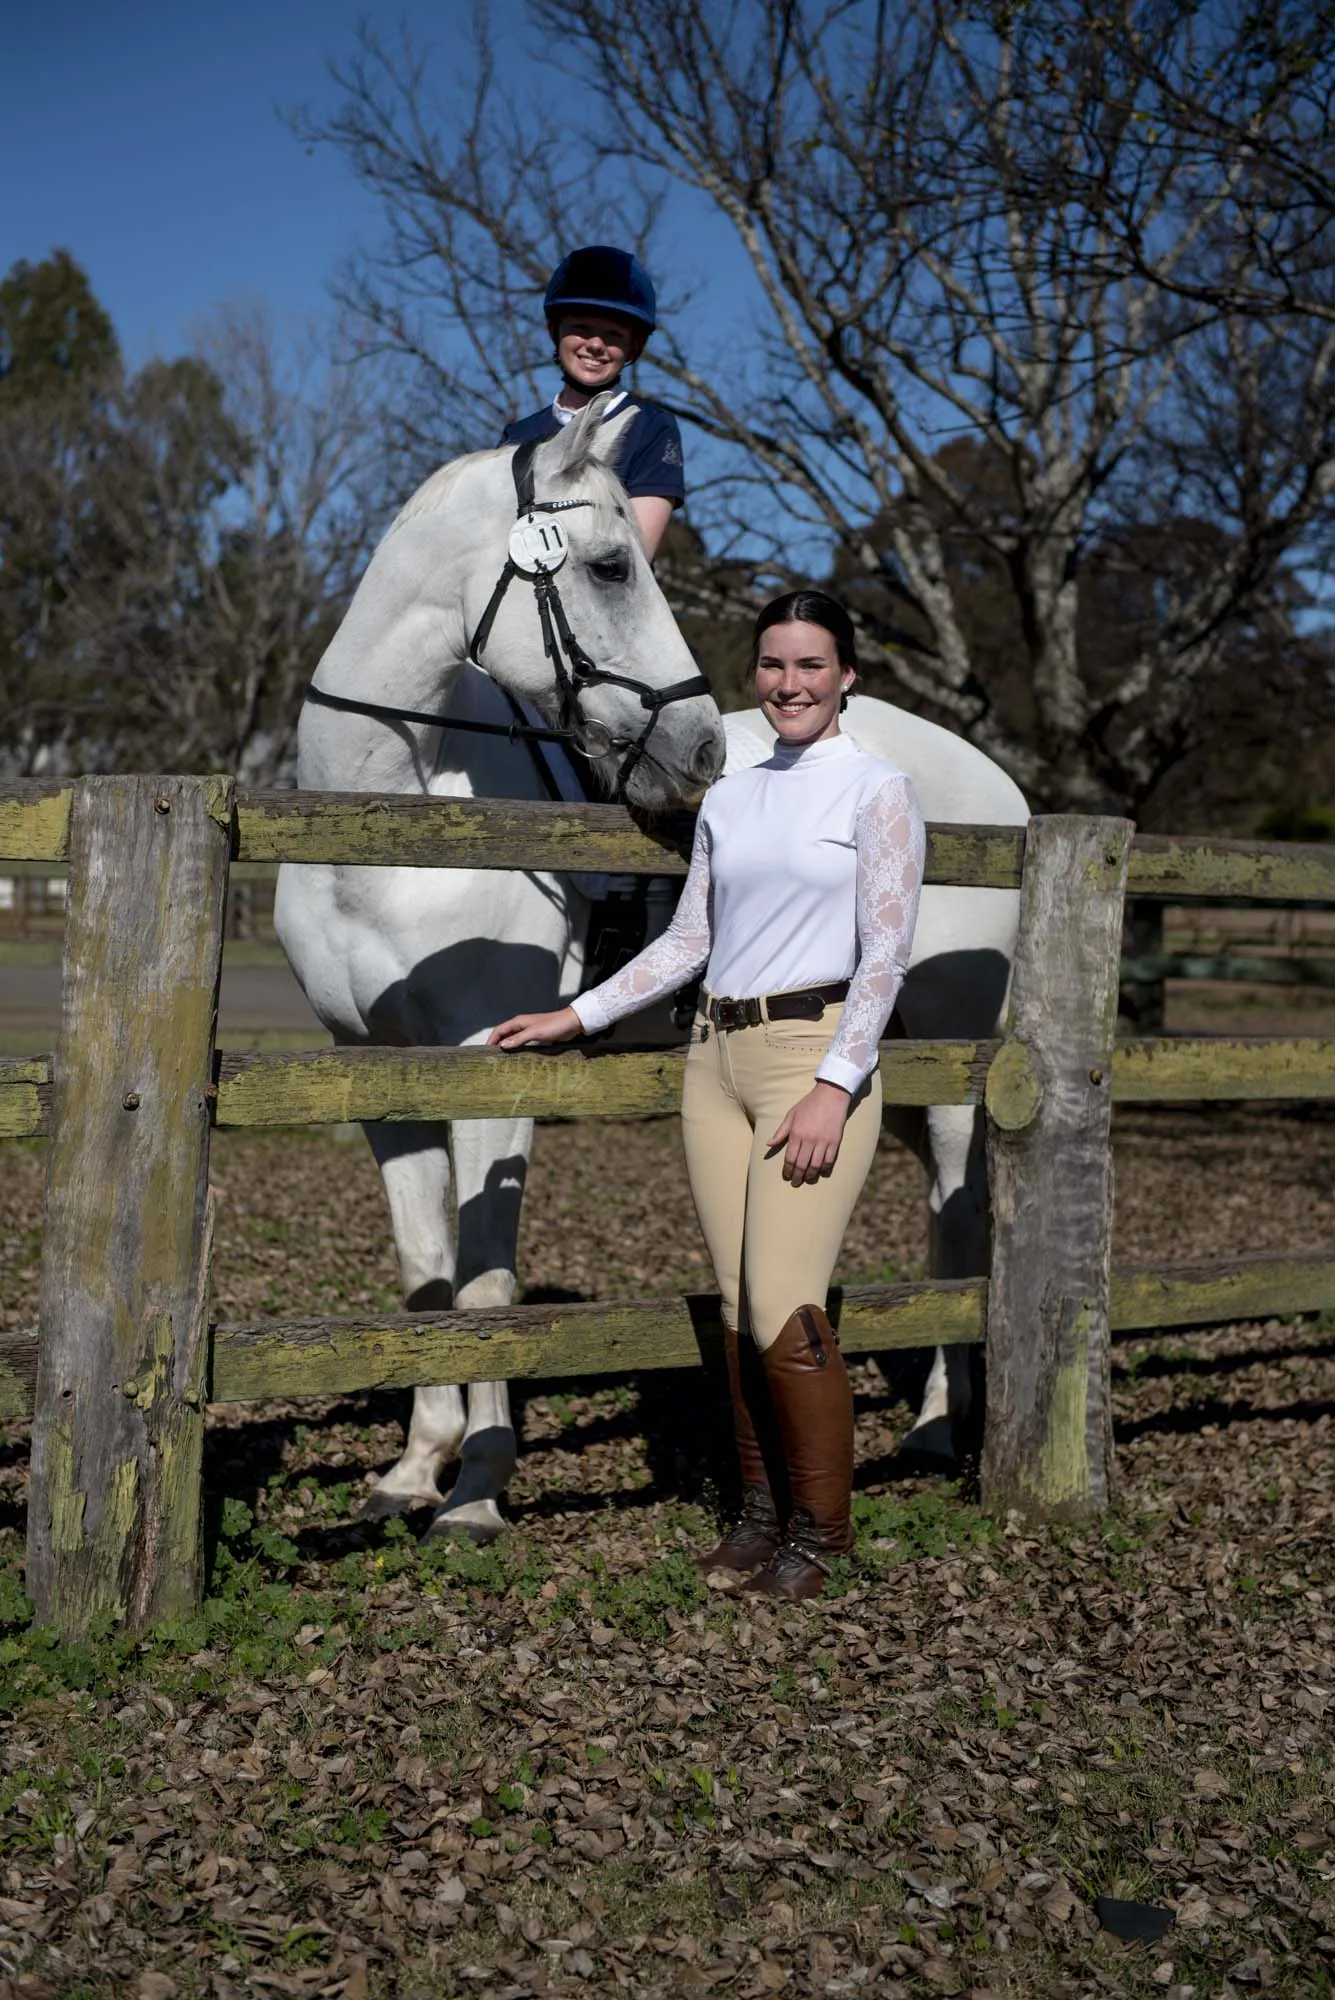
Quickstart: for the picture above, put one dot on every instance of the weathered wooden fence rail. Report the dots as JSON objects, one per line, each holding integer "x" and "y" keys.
{"x": 251, "y": 1360}
{"x": 383, "y": 829}
{"x": 335, "y": 1086}
{"x": 126, "y": 1358}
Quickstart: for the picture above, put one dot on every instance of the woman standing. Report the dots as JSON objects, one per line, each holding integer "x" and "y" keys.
{"x": 800, "y": 905}
{"x": 601, "y": 310}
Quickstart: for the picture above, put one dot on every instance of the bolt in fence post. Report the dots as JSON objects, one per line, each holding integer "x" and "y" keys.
{"x": 115, "y": 1493}
{"x": 1048, "y": 1445}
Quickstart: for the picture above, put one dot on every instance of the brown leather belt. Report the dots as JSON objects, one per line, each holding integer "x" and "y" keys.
{"x": 807, "y": 1005}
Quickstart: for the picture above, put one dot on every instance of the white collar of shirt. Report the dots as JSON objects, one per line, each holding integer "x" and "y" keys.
{"x": 788, "y": 756}
{"x": 563, "y": 415}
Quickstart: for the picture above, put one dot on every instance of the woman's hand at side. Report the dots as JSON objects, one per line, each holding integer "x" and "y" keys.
{"x": 812, "y": 1130}
{"x": 521, "y": 1029}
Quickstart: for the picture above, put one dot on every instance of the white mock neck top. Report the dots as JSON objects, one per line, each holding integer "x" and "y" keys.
{"x": 806, "y": 869}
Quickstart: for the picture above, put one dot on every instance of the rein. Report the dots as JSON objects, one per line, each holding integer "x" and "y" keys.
{"x": 574, "y": 671}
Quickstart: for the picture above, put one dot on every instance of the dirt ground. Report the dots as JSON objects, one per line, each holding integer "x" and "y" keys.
{"x": 564, "y": 1766}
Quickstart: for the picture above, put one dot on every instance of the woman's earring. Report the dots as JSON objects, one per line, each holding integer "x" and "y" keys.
{"x": 843, "y": 698}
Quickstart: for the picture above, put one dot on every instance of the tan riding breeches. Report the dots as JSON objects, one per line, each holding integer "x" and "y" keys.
{"x": 773, "y": 1245}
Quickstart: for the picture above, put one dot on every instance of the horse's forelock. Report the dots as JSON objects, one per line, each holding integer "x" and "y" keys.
{"x": 578, "y": 472}
{"x": 575, "y": 463}
{"x": 589, "y": 479}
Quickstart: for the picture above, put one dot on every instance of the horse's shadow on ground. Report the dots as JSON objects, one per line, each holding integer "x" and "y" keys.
{"x": 683, "y": 1424}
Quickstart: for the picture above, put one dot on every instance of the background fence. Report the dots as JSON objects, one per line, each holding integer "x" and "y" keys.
{"x": 127, "y": 1359}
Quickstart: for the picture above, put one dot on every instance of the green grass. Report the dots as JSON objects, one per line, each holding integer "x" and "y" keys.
{"x": 255, "y": 1609}
{"x": 931, "y": 1522}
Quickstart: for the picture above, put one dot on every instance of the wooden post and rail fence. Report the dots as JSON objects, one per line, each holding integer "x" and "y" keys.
{"x": 118, "y": 1376}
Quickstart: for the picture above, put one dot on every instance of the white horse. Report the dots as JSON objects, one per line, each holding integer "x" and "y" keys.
{"x": 418, "y": 956}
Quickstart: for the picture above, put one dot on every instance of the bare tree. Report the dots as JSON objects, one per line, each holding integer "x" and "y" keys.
{"x": 178, "y": 546}
{"x": 956, "y": 223}
{"x": 473, "y": 206}
{"x": 296, "y": 533}
{"x": 1248, "y": 97}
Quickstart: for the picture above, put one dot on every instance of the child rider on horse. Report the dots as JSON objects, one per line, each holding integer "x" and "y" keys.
{"x": 601, "y": 310}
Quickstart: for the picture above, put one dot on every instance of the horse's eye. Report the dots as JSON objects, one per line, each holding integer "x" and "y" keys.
{"x": 614, "y": 568}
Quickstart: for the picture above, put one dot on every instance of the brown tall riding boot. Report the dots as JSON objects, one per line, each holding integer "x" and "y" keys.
{"x": 755, "y": 1537}
{"x": 813, "y": 1401}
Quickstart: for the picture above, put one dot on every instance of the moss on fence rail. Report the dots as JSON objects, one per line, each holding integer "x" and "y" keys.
{"x": 1187, "y": 1069}
{"x": 378, "y": 829}
{"x": 526, "y": 1342}
{"x": 35, "y": 820}
{"x": 340, "y": 1356}
{"x": 25, "y": 1096}
{"x": 339, "y": 1086}
{"x": 390, "y": 829}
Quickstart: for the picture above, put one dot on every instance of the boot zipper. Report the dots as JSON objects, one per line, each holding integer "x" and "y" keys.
{"x": 814, "y": 1341}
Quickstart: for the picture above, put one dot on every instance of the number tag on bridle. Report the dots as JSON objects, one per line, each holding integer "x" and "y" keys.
{"x": 538, "y": 545}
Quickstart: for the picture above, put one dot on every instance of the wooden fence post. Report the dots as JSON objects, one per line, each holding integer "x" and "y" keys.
{"x": 116, "y": 1487}
{"x": 1048, "y": 1447}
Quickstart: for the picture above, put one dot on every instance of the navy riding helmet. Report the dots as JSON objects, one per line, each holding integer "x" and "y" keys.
{"x": 608, "y": 280}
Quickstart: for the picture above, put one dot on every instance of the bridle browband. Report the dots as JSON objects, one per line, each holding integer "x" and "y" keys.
{"x": 574, "y": 671}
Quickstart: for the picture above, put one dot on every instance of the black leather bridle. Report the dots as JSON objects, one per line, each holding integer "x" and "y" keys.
{"x": 572, "y": 668}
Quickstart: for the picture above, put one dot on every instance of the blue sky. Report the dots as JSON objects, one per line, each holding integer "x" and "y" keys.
{"x": 147, "y": 138}
{"x": 144, "y": 136}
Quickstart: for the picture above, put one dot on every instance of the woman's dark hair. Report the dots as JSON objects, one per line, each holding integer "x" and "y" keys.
{"x": 809, "y": 607}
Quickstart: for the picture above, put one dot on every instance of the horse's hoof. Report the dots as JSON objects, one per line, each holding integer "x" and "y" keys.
{"x": 480, "y": 1531}
{"x": 381, "y": 1506}
{"x": 930, "y": 1448}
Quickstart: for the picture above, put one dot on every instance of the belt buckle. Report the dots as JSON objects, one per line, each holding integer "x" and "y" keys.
{"x": 729, "y": 1014}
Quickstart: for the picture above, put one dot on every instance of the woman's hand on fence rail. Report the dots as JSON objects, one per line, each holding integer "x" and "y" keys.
{"x": 522, "y": 1030}
{"x": 813, "y": 1130}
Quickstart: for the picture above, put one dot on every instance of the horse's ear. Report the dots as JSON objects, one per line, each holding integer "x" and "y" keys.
{"x": 587, "y": 437}
{"x": 604, "y": 439}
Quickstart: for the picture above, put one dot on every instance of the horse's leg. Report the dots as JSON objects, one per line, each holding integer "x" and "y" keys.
{"x": 957, "y": 1239}
{"x": 414, "y": 1162}
{"x": 490, "y": 1167}
{"x": 958, "y": 993}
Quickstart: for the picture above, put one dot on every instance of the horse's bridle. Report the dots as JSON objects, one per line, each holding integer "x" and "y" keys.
{"x": 573, "y": 669}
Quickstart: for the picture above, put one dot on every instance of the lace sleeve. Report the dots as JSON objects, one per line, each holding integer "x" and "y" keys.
{"x": 891, "y": 846}
{"x": 673, "y": 958}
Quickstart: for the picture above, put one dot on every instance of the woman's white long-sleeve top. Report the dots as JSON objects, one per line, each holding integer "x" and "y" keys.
{"x": 806, "y": 869}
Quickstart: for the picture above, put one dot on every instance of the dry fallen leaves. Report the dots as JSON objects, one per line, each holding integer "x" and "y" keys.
{"x": 535, "y": 1786}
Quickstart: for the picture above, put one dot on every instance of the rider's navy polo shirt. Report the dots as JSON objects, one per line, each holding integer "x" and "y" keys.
{"x": 648, "y": 460}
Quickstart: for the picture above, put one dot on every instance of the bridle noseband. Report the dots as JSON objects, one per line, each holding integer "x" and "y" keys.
{"x": 536, "y": 553}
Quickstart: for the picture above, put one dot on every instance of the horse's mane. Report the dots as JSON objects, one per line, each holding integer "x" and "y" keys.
{"x": 436, "y": 489}
{"x": 587, "y": 475}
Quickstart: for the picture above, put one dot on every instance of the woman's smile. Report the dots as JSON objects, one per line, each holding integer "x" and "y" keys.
{"x": 800, "y": 683}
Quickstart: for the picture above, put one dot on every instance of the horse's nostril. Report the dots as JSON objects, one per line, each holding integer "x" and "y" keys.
{"x": 708, "y": 759}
